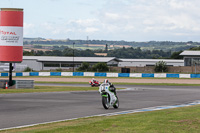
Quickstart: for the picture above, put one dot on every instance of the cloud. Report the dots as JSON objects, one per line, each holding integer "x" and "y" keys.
{"x": 91, "y": 29}
{"x": 132, "y": 20}
{"x": 152, "y": 18}
{"x": 28, "y": 28}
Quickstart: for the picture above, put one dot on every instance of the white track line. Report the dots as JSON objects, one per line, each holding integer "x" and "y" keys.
{"x": 111, "y": 114}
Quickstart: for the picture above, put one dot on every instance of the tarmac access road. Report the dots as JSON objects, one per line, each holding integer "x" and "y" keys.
{"x": 33, "y": 108}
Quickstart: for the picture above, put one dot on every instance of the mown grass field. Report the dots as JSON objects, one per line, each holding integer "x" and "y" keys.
{"x": 178, "y": 120}
{"x": 153, "y": 84}
{"x": 47, "y": 89}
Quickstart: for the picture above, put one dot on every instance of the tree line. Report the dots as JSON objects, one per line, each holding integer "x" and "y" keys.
{"x": 122, "y": 42}
{"x": 136, "y": 53}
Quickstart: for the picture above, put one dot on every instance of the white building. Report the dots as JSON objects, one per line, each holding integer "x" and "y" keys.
{"x": 148, "y": 62}
{"x": 191, "y": 58}
{"x": 38, "y": 63}
{"x": 4, "y": 67}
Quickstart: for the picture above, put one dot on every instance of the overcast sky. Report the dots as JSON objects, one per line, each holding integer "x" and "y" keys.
{"x": 129, "y": 20}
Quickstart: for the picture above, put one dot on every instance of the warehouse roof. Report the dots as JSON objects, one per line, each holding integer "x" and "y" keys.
{"x": 69, "y": 59}
{"x": 190, "y": 53}
{"x": 151, "y": 60}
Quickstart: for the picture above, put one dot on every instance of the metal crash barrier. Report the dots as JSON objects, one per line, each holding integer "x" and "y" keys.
{"x": 18, "y": 84}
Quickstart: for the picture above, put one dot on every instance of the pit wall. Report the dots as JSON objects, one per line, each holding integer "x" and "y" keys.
{"x": 134, "y": 75}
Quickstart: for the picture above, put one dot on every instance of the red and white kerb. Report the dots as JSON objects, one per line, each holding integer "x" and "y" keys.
{"x": 11, "y": 35}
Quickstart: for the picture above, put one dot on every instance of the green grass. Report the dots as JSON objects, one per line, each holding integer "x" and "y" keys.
{"x": 95, "y": 77}
{"x": 153, "y": 84}
{"x": 47, "y": 89}
{"x": 179, "y": 120}
{"x": 158, "y": 84}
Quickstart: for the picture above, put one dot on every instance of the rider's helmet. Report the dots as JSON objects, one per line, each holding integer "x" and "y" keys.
{"x": 106, "y": 81}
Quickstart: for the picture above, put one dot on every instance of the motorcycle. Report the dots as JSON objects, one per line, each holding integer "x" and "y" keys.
{"x": 94, "y": 83}
{"x": 109, "y": 98}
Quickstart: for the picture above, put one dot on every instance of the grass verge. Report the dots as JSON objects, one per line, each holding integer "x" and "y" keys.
{"x": 183, "y": 120}
{"x": 158, "y": 84}
{"x": 47, "y": 89}
{"x": 95, "y": 77}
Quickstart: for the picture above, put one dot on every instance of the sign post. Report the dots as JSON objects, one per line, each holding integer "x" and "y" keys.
{"x": 11, "y": 37}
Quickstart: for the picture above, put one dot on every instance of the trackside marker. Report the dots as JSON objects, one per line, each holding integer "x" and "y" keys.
{"x": 6, "y": 85}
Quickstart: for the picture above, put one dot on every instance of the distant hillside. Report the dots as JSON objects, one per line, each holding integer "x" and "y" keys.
{"x": 33, "y": 39}
{"x": 101, "y": 44}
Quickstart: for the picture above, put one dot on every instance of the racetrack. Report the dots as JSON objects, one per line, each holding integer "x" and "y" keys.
{"x": 32, "y": 108}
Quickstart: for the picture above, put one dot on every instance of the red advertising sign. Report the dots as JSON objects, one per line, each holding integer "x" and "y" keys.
{"x": 11, "y": 35}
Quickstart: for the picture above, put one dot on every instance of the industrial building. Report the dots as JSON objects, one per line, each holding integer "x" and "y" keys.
{"x": 42, "y": 63}
{"x": 148, "y": 62}
{"x": 39, "y": 63}
{"x": 191, "y": 58}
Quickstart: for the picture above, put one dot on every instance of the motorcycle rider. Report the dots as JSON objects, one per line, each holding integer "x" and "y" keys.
{"x": 112, "y": 88}
{"x": 93, "y": 80}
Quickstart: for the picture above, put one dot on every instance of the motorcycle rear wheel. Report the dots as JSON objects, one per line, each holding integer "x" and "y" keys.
{"x": 105, "y": 102}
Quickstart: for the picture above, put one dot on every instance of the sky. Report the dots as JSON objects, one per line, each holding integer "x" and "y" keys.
{"x": 128, "y": 20}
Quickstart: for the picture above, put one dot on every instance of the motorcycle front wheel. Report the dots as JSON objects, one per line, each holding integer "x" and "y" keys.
{"x": 105, "y": 102}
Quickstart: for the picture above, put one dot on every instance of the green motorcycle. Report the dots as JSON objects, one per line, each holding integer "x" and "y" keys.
{"x": 109, "y": 97}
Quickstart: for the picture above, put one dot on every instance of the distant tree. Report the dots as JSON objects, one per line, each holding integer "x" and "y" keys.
{"x": 57, "y": 53}
{"x": 100, "y": 67}
{"x": 176, "y": 55}
{"x": 39, "y": 53}
{"x": 161, "y": 66}
{"x": 195, "y": 48}
{"x": 84, "y": 67}
{"x": 37, "y": 46}
{"x": 56, "y": 47}
{"x": 27, "y": 53}
{"x": 49, "y": 53}
{"x": 27, "y": 69}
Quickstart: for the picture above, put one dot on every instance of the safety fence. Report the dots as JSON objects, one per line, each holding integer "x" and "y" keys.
{"x": 94, "y": 74}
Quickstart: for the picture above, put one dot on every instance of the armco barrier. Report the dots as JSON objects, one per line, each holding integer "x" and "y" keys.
{"x": 88, "y": 74}
{"x": 184, "y": 75}
{"x": 112, "y": 74}
{"x": 34, "y": 74}
{"x": 124, "y": 75}
{"x": 4, "y": 74}
{"x": 19, "y": 74}
{"x": 159, "y": 75}
{"x": 77, "y": 73}
{"x": 55, "y": 74}
{"x": 100, "y": 74}
{"x": 26, "y": 74}
{"x": 195, "y": 75}
{"x": 172, "y": 75}
{"x": 147, "y": 75}
{"x": 134, "y": 75}
{"x": 66, "y": 73}
{"x": 44, "y": 74}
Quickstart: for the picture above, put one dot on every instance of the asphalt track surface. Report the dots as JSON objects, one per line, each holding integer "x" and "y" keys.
{"x": 32, "y": 108}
